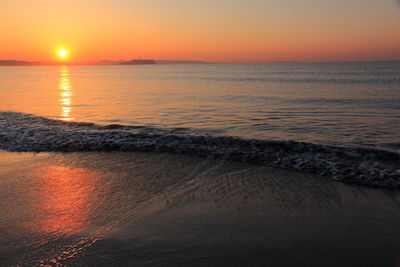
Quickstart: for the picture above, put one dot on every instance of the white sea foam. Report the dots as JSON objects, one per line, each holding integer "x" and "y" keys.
{"x": 25, "y": 132}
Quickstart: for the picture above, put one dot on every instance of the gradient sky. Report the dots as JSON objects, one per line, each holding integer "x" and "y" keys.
{"x": 211, "y": 30}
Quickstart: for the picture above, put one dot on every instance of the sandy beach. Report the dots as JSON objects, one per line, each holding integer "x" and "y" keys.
{"x": 150, "y": 209}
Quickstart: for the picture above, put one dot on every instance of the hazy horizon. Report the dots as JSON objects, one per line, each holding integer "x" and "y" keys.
{"x": 171, "y": 61}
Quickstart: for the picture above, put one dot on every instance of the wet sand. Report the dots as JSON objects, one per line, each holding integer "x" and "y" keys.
{"x": 149, "y": 209}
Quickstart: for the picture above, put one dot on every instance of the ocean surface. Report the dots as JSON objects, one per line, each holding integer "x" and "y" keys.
{"x": 338, "y": 120}
{"x": 200, "y": 165}
{"x": 341, "y": 104}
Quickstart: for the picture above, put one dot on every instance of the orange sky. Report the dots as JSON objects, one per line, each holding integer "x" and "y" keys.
{"x": 211, "y": 30}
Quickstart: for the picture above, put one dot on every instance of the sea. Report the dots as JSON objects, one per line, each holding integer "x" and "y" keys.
{"x": 340, "y": 120}
{"x": 343, "y": 104}
{"x": 200, "y": 165}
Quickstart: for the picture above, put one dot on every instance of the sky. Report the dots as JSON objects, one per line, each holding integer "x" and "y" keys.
{"x": 209, "y": 30}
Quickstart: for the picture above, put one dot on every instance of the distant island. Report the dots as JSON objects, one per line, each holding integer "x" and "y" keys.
{"x": 181, "y": 62}
{"x": 18, "y": 63}
{"x": 138, "y": 62}
{"x": 101, "y": 62}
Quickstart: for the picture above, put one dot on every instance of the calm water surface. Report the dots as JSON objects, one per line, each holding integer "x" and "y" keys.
{"x": 347, "y": 104}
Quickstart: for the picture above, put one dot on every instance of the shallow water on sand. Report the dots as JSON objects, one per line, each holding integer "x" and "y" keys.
{"x": 346, "y": 104}
{"x": 152, "y": 209}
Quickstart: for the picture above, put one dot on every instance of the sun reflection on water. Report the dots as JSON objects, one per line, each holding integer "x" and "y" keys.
{"x": 65, "y": 94}
{"x": 66, "y": 204}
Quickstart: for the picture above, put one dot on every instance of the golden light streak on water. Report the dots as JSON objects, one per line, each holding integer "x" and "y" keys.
{"x": 65, "y": 94}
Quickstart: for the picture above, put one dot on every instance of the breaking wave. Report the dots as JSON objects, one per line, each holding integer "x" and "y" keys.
{"x": 26, "y": 132}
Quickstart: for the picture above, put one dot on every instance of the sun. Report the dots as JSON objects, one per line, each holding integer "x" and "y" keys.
{"x": 62, "y": 53}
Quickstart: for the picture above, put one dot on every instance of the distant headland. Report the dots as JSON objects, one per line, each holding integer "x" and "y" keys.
{"x": 101, "y": 62}
{"x": 138, "y": 62}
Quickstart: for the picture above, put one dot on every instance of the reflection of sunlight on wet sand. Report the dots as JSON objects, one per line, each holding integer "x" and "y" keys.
{"x": 65, "y": 206}
{"x": 65, "y": 94}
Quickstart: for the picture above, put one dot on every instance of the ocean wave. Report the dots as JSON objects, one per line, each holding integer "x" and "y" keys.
{"x": 26, "y": 132}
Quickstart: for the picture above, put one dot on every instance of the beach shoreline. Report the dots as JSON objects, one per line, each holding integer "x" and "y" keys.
{"x": 26, "y": 132}
{"x": 121, "y": 208}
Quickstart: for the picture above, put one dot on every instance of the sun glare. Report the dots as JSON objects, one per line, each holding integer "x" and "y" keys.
{"x": 62, "y": 53}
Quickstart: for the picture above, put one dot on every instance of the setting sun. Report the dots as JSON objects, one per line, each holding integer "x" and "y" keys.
{"x": 62, "y": 53}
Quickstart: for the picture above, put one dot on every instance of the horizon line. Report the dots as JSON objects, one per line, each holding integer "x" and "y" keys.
{"x": 13, "y": 62}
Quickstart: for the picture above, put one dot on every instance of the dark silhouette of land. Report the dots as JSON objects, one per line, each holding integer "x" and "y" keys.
{"x": 101, "y": 62}
{"x": 18, "y": 63}
{"x": 180, "y": 62}
{"x": 138, "y": 62}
